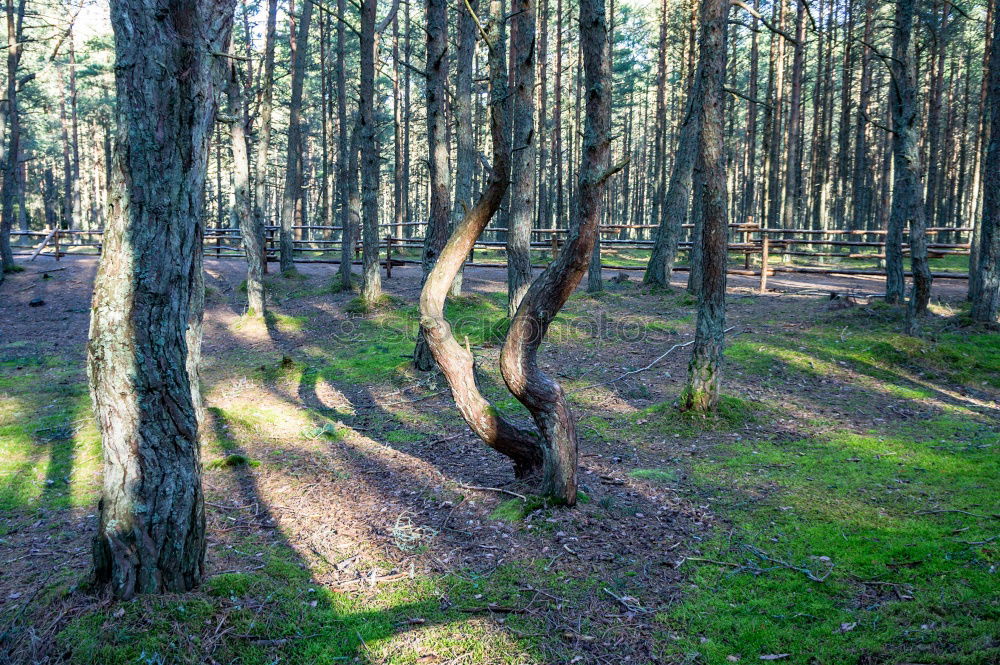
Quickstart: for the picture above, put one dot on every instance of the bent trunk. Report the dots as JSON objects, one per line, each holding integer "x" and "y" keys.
{"x": 539, "y": 392}
{"x": 517, "y": 442}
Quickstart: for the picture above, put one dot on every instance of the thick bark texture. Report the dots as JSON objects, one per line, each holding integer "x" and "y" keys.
{"x": 345, "y": 147}
{"x": 519, "y": 443}
{"x": 151, "y": 536}
{"x": 539, "y": 392}
{"x": 437, "y": 146}
{"x": 293, "y": 168}
{"x": 907, "y": 190}
{"x": 986, "y": 300}
{"x": 702, "y": 390}
{"x": 522, "y": 206}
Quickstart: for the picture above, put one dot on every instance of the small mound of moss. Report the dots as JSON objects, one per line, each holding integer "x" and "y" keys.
{"x": 232, "y": 460}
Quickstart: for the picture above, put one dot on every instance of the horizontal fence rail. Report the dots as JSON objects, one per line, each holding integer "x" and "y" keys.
{"x": 322, "y": 244}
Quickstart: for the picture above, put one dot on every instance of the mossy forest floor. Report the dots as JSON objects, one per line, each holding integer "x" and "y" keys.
{"x": 843, "y": 506}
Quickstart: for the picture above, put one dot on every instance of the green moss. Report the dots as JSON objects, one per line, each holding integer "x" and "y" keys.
{"x": 661, "y": 476}
{"x": 515, "y": 510}
{"x": 232, "y": 460}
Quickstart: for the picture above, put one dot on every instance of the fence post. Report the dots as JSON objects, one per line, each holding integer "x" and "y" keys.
{"x": 764, "y": 247}
{"x": 56, "y": 239}
{"x": 388, "y": 256}
{"x": 555, "y": 245}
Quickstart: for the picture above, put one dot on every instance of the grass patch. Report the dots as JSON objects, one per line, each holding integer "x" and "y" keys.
{"x": 660, "y": 476}
{"x": 902, "y": 583}
{"x": 232, "y": 460}
{"x": 666, "y": 419}
{"x": 515, "y": 510}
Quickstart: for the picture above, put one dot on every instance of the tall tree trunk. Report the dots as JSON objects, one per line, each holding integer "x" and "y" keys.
{"x": 151, "y": 536}
{"x": 437, "y": 148}
{"x": 522, "y": 55}
{"x": 907, "y": 190}
{"x": 793, "y": 178}
{"x": 347, "y": 177}
{"x": 986, "y": 303}
{"x": 264, "y": 139}
{"x": 862, "y": 197}
{"x": 456, "y": 362}
{"x": 702, "y": 391}
{"x": 465, "y": 164}
{"x": 982, "y": 139}
{"x": 678, "y": 195}
{"x": 299, "y": 49}
{"x": 11, "y": 120}
{"x": 242, "y": 216}
{"x": 539, "y": 392}
{"x": 371, "y": 279}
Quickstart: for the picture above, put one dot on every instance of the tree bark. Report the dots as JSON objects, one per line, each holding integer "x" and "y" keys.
{"x": 677, "y": 199}
{"x": 299, "y": 49}
{"x": 702, "y": 391}
{"x": 371, "y": 280}
{"x": 10, "y": 119}
{"x": 151, "y": 536}
{"x": 264, "y": 139}
{"x": 465, "y": 164}
{"x": 907, "y": 190}
{"x": 986, "y": 303}
{"x": 522, "y": 54}
{"x": 437, "y": 148}
{"x": 242, "y": 217}
{"x": 539, "y": 392}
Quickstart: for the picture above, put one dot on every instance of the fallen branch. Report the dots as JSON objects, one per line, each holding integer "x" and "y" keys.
{"x": 643, "y": 369}
{"x": 992, "y": 516}
{"x": 497, "y": 609}
{"x": 494, "y": 489}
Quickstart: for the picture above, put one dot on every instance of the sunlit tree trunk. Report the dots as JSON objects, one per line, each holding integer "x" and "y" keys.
{"x": 371, "y": 279}
{"x": 151, "y": 536}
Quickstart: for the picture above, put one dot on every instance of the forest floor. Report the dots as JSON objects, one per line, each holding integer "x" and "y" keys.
{"x": 842, "y": 507}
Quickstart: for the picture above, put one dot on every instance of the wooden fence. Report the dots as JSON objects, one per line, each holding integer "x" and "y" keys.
{"x": 321, "y": 244}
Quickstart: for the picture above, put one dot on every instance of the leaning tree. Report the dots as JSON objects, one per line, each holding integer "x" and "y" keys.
{"x": 552, "y": 448}
{"x": 169, "y": 71}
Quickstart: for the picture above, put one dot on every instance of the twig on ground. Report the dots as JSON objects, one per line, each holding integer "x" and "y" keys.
{"x": 493, "y": 489}
{"x": 993, "y": 516}
{"x": 642, "y": 369}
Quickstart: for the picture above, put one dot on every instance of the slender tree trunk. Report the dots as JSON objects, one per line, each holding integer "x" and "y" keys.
{"x": 10, "y": 119}
{"x": 986, "y": 303}
{"x": 371, "y": 279}
{"x": 861, "y": 193}
{"x": 242, "y": 217}
{"x": 465, "y": 164}
{"x": 151, "y": 536}
{"x": 907, "y": 190}
{"x": 264, "y": 139}
{"x": 677, "y": 198}
{"x": 299, "y": 50}
{"x": 702, "y": 391}
{"x": 437, "y": 148}
{"x": 793, "y": 178}
{"x": 522, "y": 54}
{"x": 347, "y": 154}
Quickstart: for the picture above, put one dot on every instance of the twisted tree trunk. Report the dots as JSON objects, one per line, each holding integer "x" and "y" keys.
{"x": 516, "y": 441}
{"x": 151, "y": 536}
{"x": 540, "y": 393}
